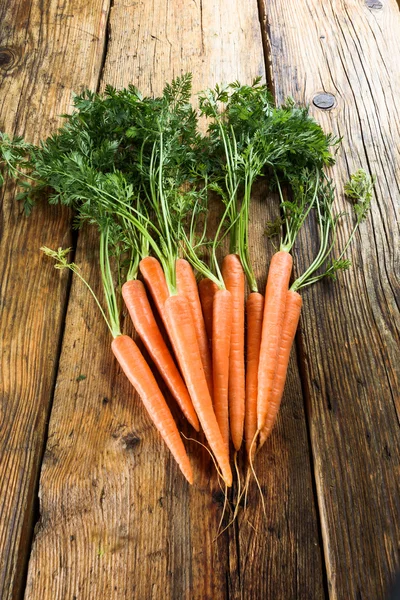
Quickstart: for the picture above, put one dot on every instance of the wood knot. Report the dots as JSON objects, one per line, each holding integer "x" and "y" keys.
{"x": 324, "y": 101}
{"x": 8, "y": 58}
{"x": 218, "y": 497}
{"x": 131, "y": 441}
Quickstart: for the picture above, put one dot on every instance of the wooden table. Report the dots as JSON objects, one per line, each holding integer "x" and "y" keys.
{"x": 91, "y": 504}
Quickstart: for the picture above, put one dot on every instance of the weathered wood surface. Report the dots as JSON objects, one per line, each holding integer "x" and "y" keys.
{"x": 351, "y": 329}
{"x": 47, "y": 50}
{"x": 117, "y": 519}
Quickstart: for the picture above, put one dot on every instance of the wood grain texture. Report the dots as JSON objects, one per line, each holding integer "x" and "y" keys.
{"x": 280, "y": 554}
{"x": 117, "y": 518}
{"x": 44, "y": 55}
{"x": 351, "y": 329}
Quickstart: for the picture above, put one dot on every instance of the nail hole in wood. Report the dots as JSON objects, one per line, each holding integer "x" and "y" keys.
{"x": 324, "y": 101}
{"x": 374, "y": 4}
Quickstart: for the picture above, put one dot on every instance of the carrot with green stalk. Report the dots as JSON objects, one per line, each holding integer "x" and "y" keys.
{"x": 165, "y": 163}
{"x": 178, "y": 315}
{"x": 221, "y": 308}
{"x": 74, "y": 177}
{"x": 144, "y": 322}
{"x": 249, "y": 136}
{"x": 76, "y": 183}
{"x": 232, "y": 168}
{"x": 359, "y": 189}
{"x": 130, "y": 358}
{"x": 305, "y": 189}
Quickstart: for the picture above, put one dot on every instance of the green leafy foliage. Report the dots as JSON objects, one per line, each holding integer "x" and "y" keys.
{"x": 360, "y": 188}
{"x": 139, "y": 170}
{"x": 249, "y": 137}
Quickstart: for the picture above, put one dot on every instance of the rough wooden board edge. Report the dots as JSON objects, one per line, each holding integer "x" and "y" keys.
{"x": 37, "y": 87}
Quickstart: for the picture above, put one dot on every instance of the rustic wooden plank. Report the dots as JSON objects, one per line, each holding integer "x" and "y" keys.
{"x": 45, "y": 53}
{"x": 280, "y": 556}
{"x": 117, "y": 520}
{"x": 351, "y": 329}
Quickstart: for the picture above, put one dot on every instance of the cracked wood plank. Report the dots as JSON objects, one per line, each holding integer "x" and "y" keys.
{"x": 351, "y": 328}
{"x": 117, "y": 519}
{"x": 44, "y": 56}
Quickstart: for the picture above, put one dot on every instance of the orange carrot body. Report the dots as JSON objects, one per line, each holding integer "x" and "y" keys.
{"x": 290, "y": 323}
{"x": 234, "y": 278}
{"x": 207, "y": 289}
{"x": 254, "y": 312}
{"x": 181, "y": 328}
{"x": 154, "y": 277}
{"x": 139, "y": 308}
{"x": 187, "y": 285}
{"x": 274, "y": 312}
{"x": 221, "y": 343}
{"x": 139, "y": 374}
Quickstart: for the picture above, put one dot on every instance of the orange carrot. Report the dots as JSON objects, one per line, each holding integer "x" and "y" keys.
{"x": 187, "y": 285}
{"x": 154, "y": 277}
{"x": 139, "y": 308}
{"x": 254, "y": 312}
{"x": 274, "y": 312}
{"x": 234, "y": 278}
{"x": 221, "y": 341}
{"x": 207, "y": 289}
{"x": 139, "y": 374}
{"x": 290, "y": 323}
{"x": 183, "y": 333}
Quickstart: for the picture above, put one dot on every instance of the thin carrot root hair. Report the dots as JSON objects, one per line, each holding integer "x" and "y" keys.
{"x": 239, "y": 497}
{"x": 231, "y": 522}
{"x": 220, "y": 478}
{"x": 226, "y": 504}
{"x": 243, "y": 492}
{"x": 219, "y": 473}
{"x": 239, "y": 493}
{"x": 246, "y": 489}
{"x": 254, "y": 473}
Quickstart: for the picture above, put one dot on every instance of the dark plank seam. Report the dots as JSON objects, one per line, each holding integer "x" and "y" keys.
{"x": 35, "y": 510}
{"x": 107, "y": 38}
{"x": 300, "y": 360}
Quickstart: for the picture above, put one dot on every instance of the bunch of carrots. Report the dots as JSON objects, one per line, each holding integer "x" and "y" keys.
{"x": 140, "y": 171}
